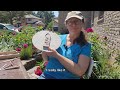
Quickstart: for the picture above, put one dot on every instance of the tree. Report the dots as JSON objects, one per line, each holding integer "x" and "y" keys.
{"x": 7, "y": 16}
{"x": 46, "y": 15}
{"x": 50, "y": 26}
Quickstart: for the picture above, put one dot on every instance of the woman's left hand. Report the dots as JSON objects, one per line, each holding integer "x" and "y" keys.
{"x": 51, "y": 52}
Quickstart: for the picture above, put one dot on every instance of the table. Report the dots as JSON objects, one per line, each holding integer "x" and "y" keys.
{"x": 18, "y": 73}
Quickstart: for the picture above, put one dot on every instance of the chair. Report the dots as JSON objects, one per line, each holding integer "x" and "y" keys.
{"x": 89, "y": 70}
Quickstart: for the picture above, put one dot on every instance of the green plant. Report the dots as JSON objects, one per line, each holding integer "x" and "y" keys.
{"x": 102, "y": 69}
{"x": 26, "y": 53}
{"x": 41, "y": 64}
{"x": 58, "y": 33}
{"x": 6, "y": 41}
{"x": 25, "y": 36}
{"x": 39, "y": 28}
{"x": 50, "y": 25}
{"x": 118, "y": 58}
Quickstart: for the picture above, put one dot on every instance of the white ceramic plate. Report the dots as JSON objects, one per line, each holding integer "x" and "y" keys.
{"x": 39, "y": 38}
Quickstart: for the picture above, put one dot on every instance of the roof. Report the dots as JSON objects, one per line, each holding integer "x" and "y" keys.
{"x": 31, "y": 16}
{"x": 56, "y": 20}
{"x": 39, "y": 22}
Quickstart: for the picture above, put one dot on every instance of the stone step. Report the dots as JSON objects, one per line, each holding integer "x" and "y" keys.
{"x": 31, "y": 73}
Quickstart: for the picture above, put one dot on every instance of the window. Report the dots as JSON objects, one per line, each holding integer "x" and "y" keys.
{"x": 1, "y": 26}
{"x": 101, "y": 14}
{"x": 100, "y": 17}
{"x": 29, "y": 19}
{"x": 92, "y": 18}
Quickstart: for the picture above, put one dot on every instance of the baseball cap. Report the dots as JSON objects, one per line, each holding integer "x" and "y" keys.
{"x": 76, "y": 14}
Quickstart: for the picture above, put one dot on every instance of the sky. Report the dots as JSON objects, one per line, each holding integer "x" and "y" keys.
{"x": 56, "y": 13}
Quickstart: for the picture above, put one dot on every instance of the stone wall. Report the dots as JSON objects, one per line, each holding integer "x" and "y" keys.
{"x": 109, "y": 26}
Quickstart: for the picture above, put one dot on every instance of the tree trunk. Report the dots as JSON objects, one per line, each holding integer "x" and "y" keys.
{"x": 11, "y": 22}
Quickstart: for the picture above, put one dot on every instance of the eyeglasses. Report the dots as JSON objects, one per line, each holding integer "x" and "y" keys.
{"x": 75, "y": 22}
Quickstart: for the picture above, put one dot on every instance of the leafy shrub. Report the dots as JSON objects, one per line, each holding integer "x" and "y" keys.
{"x": 102, "y": 69}
{"x": 25, "y": 36}
{"x": 6, "y": 41}
{"x": 26, "y": 52}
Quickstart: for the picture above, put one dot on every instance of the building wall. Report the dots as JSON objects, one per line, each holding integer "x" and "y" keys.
{"x": 109, "y": 27}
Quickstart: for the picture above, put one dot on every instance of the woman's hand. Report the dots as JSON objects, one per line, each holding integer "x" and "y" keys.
{"x": 51, "y": 52}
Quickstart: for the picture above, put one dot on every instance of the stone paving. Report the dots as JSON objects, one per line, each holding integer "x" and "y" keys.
{"x": 30, "y": 67}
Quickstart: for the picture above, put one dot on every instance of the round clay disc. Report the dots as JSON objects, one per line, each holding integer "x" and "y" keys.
{"x": 42, "y": 39}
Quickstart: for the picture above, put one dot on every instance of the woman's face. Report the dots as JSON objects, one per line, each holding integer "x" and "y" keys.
{"x": 74, "y": 25}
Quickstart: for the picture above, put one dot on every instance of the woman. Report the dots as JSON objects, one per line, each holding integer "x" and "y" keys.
{"x": 71, "y": 59}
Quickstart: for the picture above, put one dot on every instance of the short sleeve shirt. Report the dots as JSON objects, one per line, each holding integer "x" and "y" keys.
{"x": 55, "y": 69}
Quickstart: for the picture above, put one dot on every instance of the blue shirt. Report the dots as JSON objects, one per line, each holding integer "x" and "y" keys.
{"x": 55, "y": 69}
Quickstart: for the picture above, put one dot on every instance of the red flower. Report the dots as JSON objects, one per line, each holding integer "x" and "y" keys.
{"x": 14, "y": 33}
{"x": 38, "y": 71}
{"x": 45, "y": 64}
{"x": 25, "y": 45}
{"x": 18, "y": 49}
{"x": 89, "y": 30}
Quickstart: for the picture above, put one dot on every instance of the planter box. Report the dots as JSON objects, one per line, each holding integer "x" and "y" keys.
{"x": 9, "y": 55}
{"x": 28, "y": 64}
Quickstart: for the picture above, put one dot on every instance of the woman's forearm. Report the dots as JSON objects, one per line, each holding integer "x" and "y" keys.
{"x": 70, "y": 65}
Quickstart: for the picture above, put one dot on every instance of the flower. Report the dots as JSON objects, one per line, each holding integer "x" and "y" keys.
{"x": 45, "y": 64}
{"x": 14, "y": 33}
{"x": 38, "y": 71}
{"x": 18, "y": 49}
{"x": 89, "y": 30}
{"x": 25, "y": 45}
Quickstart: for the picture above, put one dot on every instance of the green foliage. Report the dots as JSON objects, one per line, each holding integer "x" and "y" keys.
{"x": 7, "y": 16}
{"x": 58, "y": 33}
{"x": 6, "y": 41}
{"x": 118, "y": 58}
{"x": 26, "y": 53}
{"x": 25, "y": 36}
{"x": 102, "y": 68}
{"x": 41, "y": 64}
{"x": 46, "y": 15}
{"x": 50, "y": 25}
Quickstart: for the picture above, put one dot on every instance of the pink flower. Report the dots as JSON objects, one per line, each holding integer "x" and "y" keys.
{"x": 89, "y": 30}
{"x": 18, "y": 49}
{"x": 25, "y": 45}
{"x": 45, "y": 64}
{"x": 38, "y": 71}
